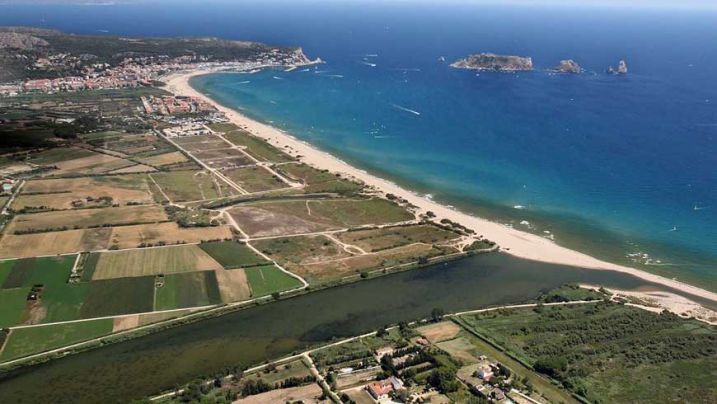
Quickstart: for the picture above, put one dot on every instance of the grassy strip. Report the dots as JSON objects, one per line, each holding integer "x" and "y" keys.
{"x": 268, "y": 279}
{"x": 25, "y": 341}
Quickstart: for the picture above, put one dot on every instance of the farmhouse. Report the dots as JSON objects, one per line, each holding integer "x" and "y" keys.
{"x": 381, "y": 389}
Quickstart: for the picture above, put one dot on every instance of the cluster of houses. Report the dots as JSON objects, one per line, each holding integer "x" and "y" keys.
{"x": 170, "y": 105}
{"x": 134, "y": 72}
{"x": 486, "y": 379}
{"x": 119, "y": 77}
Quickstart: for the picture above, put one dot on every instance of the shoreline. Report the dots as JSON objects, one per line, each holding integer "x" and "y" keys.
{"x": 514, "y": 242}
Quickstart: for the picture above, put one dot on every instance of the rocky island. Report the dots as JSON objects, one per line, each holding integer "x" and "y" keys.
{"x": 491, "y": 61}
{"x": 568, "y": 66}
{"x": 621, "y": 68}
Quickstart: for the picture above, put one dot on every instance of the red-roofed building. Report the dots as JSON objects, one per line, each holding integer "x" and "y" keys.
{"x": 381, "y": 389}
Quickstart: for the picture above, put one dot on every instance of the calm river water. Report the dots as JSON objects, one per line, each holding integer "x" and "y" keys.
{"x": 147, "y": 365}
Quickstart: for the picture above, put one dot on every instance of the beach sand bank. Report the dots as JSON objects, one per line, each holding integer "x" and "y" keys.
{"x": 515, "y": 242}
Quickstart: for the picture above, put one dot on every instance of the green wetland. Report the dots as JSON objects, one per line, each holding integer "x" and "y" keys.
{"x": 166, "y": 359}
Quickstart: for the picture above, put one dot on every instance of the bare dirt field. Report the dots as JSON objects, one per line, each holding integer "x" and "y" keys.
{"x": 168, "y": 233}
{"x": 439, "y": 331}
{"x": 138, "y": 168}
{"x": 336, "y": 269}
{"x": 259, "y": 222}
{"x": 59, "y": 242}
{"x": 125, "y": 323}
{"x": 95, "y": 164}
{"x": 121, "y": 188}
{"x": 152, "y": 261}
{"x": 308, "y": 394}
{"x": 295, "y": 217}
{"x": 58, "y": 220}
{"x": 233, "y": 285}
{"x": 164, "y": 159}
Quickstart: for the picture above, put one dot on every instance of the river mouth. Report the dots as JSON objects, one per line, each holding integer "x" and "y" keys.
{"x": 164, "y": 360}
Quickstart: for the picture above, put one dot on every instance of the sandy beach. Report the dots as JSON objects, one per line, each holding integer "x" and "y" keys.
{"x": 512, "y": 241}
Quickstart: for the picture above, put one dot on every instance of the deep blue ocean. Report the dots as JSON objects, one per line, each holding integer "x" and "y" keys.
{"x": 623, "y": 167}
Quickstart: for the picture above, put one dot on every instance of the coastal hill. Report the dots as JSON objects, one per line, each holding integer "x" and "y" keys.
{"x": 491, "y": 61}
{"x": 33, "y": 53}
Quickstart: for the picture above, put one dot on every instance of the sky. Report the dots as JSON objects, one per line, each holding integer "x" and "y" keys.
{"x": 689, "y": 4}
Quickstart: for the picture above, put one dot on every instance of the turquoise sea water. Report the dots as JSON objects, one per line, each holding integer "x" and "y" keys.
{"x": 621, "y": 167}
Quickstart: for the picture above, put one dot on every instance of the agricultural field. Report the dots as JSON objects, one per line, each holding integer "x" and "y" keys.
{"x": 199, "y": 143}
{"x": 589, "y": 348}
{"x": 51, "y": 157}
{"x": 185, "y": 186}
{"x": 85, "y": 218}
{"x": 160, "y": 160}
{"x": 268, "y": 279}
{"x": 307, "y": 216}
{"x": 26, "y": 341}
{"x": 254, "y": 179}
{"x": 167, "y": 233}
{"x": 215, "y": 157}
{"x": 52, "y": 243}
{"x": 126, "y": 144}
{"x": 14, "y": 304}
{"x": 187, "y": 290}
{"x": 150, "y": 261}
{"x": 120, "y": 189}
{"x": 118, "y": 296}
{"x": 233, "y": 285}
{"x": 232, "y": 254}
{"x": 96, "y": 163}
{"x": 31, "y": 271}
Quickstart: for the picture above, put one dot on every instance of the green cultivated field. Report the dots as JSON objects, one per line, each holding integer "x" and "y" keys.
{"x": 14, "y": 303}
{"x": 26, "y": 341}
{"x": 267, "y": 279}
{"x": 48, "y": 271}
{"x": 64, "y": 302}
{"x": 188, "y": 290}
{"x": 118, "y": 296}
{"x": 610, "y": 353}
{"x": 232, "y": 254}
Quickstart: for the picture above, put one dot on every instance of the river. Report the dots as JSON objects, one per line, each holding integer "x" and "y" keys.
{"x": 150, "y": 364}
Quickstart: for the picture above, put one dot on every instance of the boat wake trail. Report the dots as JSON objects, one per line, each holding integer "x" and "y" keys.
{"x": 414, "y": 112}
